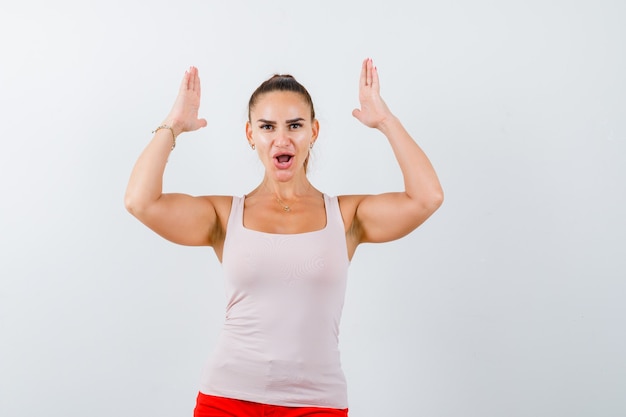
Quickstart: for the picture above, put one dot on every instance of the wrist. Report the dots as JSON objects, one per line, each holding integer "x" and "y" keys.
{"x": 388, "y": 123}
{"x": 176, "y": 125}
{"x": 169, "y": 128}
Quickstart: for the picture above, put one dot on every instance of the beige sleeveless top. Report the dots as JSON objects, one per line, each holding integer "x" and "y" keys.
{"x": 285, "y": 293}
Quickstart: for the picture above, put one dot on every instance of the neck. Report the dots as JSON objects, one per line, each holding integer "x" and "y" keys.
{"x": 286, "y": 191}
{"x": 287, "y": 195}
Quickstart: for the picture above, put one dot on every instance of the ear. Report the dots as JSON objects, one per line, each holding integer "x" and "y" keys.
{"x": 249, "y": 133}
{"x": 315, "y": 128}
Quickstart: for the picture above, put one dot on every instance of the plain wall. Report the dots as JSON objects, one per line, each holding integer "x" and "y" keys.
{"x": 509, "y": 301}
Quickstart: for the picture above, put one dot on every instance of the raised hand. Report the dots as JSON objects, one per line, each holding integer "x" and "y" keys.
{"x": 184, "y": 114}
{"x": 373, "y": 109}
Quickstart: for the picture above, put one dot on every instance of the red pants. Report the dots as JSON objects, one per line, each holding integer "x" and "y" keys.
{"x": 211, "y": 406}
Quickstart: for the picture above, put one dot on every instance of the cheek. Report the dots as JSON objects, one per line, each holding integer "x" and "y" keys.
{"x": 262, "y": 138}
{"x": 303, "y": 136}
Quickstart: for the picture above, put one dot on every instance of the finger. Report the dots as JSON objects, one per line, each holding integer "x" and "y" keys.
{"x": 196, "y": 81}
{"x": 368, "y": 72}
{"x": 363, "y": 79}
{"x": 356, "y": 113}
{"x": 375, "y": 82}
{"x": 193, "y": 76}
{"x": 202, "y": 122}
{"x": 189, "y": 78}
{"x": 185, "y": 81}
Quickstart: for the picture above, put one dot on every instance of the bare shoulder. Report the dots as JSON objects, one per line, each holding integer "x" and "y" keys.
{"x": 219, "y": 201}
{"x": 221, "y": 204}
{"x": 348, "y": 205}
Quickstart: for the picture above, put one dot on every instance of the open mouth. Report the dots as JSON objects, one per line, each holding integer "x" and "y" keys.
{"x": 283, "y": 158}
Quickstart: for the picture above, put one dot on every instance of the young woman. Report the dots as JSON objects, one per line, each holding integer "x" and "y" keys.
{"x": 285, "y": 246}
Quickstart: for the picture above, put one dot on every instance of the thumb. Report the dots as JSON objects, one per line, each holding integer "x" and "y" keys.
{"x": 356, "y": 113}
{"x": 202, "y": 122}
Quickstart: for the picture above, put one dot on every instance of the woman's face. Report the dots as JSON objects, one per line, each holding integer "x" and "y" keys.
{"x": 282, "y": 132}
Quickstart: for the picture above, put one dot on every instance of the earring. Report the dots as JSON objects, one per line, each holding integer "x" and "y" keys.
{"x": 252, "y": 146}
{"x": 311, "y": 145}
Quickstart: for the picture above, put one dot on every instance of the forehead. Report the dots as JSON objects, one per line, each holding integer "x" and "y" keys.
{"x": 279, "y": 103}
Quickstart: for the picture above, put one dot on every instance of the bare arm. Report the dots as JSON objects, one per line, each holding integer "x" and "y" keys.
{"x": 390, "y": 216}
{"x": 180, "y": 218}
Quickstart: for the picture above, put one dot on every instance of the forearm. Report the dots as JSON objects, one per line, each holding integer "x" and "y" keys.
{"x": 420, "y": 179}
{"x": 146, "y": 180}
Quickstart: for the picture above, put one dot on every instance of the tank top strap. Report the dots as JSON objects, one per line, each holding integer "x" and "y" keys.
{"x": 235, "y": 219}
{"x": 333, "y": 213}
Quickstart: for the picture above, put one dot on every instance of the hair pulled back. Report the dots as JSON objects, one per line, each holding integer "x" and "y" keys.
{"x": 280, "y": 82}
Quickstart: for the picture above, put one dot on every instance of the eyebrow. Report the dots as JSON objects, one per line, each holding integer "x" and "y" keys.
{"x": 270, "y": 122}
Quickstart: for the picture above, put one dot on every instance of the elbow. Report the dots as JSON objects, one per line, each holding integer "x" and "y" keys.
{"x": 132, "y": 204}
{"x": 431, "y": 203}
{"x": 437, "y": 199}
{"x": 139, "y": 203}
{"x": 129, "y": 203}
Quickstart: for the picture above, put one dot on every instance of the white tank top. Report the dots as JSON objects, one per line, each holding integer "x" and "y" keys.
{"x": 285, "y": 295}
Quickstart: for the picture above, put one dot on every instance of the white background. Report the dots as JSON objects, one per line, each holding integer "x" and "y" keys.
{"x": 509, "y": 301}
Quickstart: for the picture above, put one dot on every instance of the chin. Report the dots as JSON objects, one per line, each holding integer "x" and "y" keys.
{"x": 283, "y": 175}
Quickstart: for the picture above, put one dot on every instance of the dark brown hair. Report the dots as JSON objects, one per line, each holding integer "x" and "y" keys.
{"x": 280, "y": 82}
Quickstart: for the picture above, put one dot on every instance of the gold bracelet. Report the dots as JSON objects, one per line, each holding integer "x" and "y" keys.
{"x": 171, "y": 130}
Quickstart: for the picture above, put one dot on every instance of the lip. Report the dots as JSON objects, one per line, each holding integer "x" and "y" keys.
{"x": 283, "y": 165}
{"x": 278, "y": 153}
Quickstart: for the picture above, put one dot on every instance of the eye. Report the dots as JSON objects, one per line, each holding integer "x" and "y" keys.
{"x": 295, "y": 125}
{"x": 266, "y": 127}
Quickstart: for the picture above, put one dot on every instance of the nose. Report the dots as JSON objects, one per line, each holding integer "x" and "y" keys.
{"x": 282, "y": 137}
